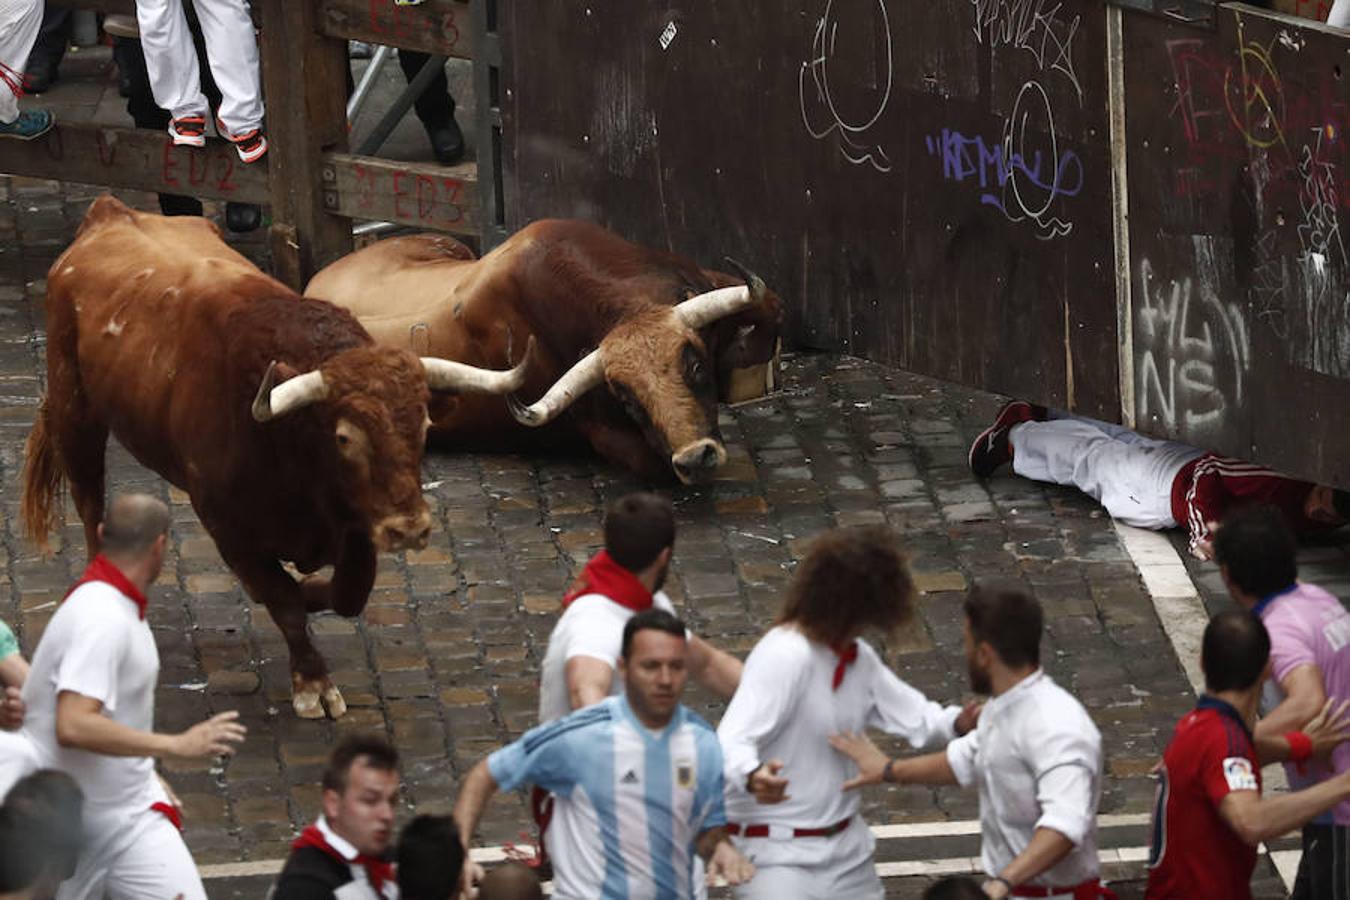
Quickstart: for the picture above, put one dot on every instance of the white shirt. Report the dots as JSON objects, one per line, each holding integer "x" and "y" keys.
{"x": 786, "y": 709}
{"x": 1037, "y": 760}
{"x": 98, "y": 646}
{"x": 592, "y": 625}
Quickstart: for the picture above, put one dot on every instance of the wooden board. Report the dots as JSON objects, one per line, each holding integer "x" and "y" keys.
{"x": 138, "y": 159}
{"x": 854, "y": 154}
{"x": 1239, "y": 180}
{"x": 442, "y": 27}
{"x": 423, "y": 196}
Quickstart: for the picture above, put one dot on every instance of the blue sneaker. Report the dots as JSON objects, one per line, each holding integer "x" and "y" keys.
{"x": 31, "y": 123}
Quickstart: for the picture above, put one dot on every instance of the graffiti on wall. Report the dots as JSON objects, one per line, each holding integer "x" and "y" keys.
{"x": 1035, "y": 26}
{"x": 849, "y": 108}
{"x": 1025, "y": 170}
{"x": 1024, "y": 173}
{"x": 1192, "y": 348}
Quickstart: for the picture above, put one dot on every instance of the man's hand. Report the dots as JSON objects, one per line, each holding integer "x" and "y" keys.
{"x": 969, "y": 717}
{"x": 728, "y": 863}
{"x": 12, "y": 710}
{"x": 765, "y": 784}
{"x": 1329, "y": 728}
{"x": 213, "y": 737}
{"x": 870, "y": 760}
{"x": 469, "y": 876}
{"x": 1205, "y": 549}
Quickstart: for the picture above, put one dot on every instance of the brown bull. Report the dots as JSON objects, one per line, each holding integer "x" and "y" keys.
{"x": 296, "y": 437}
{"x": 665, "y": 336}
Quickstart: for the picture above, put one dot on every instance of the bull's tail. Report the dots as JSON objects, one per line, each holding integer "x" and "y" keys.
{"x": 43, "y": 478}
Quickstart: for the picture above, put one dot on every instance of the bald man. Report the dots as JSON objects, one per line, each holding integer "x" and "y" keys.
{"x": 91, "y": 711}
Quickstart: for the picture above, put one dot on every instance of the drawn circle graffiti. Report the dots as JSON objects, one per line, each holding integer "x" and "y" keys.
{"x": 850, "y": 72}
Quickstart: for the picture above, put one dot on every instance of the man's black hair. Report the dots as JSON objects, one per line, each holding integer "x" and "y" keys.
{"x": 955, "y": 887}
{"x": 654, "y": 620}
{"x": 429, "y": 857}
{"x": 373, "y": 750}
{"x": 1235, "y": 650}
{"x": 41, "y": 830}
{"x": 1257, "y": 549}
{"x": 637, "y": 528}
{"x": 1009, "y": 619}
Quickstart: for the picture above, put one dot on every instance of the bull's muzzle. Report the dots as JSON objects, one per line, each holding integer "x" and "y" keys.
{"x": 403, "y": 532}
{"x": 695, "y": 458}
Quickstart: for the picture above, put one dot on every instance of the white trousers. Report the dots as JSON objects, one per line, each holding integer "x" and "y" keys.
{"x": 1129, "y": 474}
{"x": 828, "y": 882}
{"x": 1340, "y": 14}
{"x": 19, "y": 23}
{"x": 231, "y": 49}
{"x": 149, "y": 861}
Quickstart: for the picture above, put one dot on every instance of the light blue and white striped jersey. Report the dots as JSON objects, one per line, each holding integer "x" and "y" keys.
{"x": 629, "y": 803}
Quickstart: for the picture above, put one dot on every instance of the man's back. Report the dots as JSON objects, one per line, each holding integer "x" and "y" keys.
{"x": 1193, "y": 852}
{"x": 96, "y": 645}
{"x": 592, "y": 625}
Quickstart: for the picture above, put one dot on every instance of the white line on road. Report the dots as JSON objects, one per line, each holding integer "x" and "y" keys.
{"x": 882, "y": 832}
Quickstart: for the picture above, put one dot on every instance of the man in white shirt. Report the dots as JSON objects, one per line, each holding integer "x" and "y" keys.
{"x": 580, "y": 667}
{"x": 90, "y": 697}
{"x": 807, "y": 679}
{"x": 1036, "y": 759}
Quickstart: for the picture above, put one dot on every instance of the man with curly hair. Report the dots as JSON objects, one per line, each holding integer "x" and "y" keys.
{"x": 810, "y": 677}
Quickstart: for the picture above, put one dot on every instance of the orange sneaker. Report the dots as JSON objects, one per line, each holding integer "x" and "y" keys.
{"x": 252, "y": 144}
{"x": 188, "y": 131}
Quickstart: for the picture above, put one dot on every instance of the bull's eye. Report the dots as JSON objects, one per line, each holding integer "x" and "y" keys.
{"x": 343, "y": 440}
{"x": 695, "y": 370}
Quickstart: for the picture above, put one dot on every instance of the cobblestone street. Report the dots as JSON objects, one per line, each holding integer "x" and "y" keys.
{"x": 445, "y": 658}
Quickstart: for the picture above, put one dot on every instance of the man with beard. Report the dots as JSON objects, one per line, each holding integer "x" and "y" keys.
{"x": 809, "y": 677}
{"x": 345, "y": 853}
{"x": 637, "y": 781}
{"x": 1036, "y": 759}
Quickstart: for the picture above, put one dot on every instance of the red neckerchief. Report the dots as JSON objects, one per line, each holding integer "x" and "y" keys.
{"x": 847, "y": 654}
{"x": 602, "y": 575}
{"x": 377, "y": 870}
{"x": 101, "y": 569}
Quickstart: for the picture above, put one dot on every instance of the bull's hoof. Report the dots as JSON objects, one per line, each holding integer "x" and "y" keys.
{"x": 313, "y": 698}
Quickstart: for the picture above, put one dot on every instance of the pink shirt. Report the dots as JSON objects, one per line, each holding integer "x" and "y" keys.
{"x": 1309, "y": 626}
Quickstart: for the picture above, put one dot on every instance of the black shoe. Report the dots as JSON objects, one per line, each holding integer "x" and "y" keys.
{"x": 992, "y": 448}
{"x": 240, "y": 217}
{"x": 39, "y": 77}
{"x": 447, "y": 143}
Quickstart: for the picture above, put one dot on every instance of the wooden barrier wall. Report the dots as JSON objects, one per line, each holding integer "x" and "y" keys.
{"x": 934, "y": 185}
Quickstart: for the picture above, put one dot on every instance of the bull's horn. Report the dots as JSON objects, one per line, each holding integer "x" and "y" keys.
{"x": 705, "y": 309}
{"x": 756, "y": 284}
{"x": 588, "y": 372}
{"x": 447, "y": 375}
{"x": 276, "y": 400}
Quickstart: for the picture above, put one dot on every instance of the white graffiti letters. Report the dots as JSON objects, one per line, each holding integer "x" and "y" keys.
{"x": 1193, "y": 354}
{"x": 1029, "y": 25}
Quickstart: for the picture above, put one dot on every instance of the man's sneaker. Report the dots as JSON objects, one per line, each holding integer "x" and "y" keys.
{"x": 189, "y": 131}
{"x": 252, "y": 144}
{"x": 31, "y": 123}
{"x": 992, "y": 448}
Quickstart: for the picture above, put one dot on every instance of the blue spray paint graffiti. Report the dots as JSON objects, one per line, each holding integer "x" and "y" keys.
{"x": 1018, "y": 176}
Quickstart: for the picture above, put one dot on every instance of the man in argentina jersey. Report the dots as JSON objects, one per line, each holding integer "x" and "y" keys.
{"x": 637, "y": 780}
